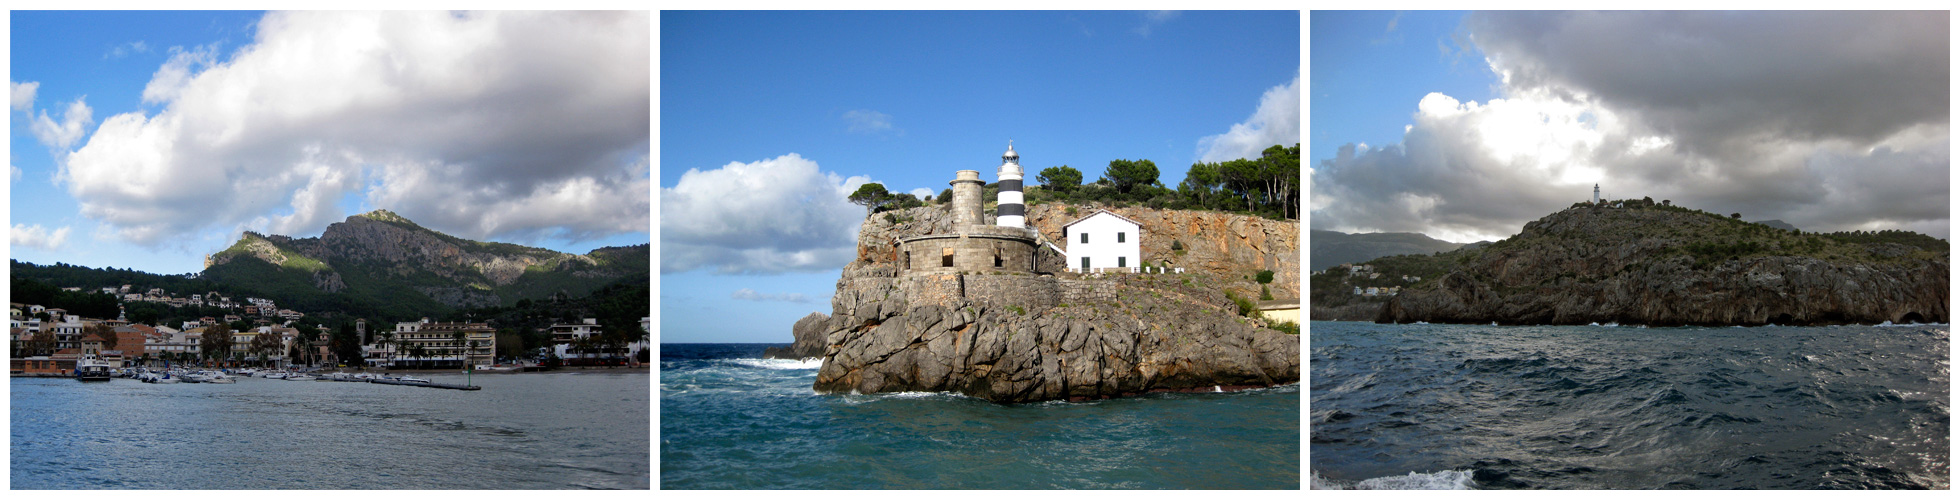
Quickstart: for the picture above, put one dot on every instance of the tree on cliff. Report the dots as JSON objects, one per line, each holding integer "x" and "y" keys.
{"x": 1060, "y": 179}
{"x": 1126, "y": 175}
{"x": 871, "y": 196}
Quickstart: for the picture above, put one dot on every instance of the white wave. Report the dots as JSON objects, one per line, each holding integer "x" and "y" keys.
{"x": 1439, "y": 480}
{"x": 781, "y": 364}
{"x": 1420, "y": 323}
{"x": 1889, "y": 324}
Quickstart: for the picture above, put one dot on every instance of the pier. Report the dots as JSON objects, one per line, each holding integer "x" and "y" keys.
{"x": 425, "y": 384}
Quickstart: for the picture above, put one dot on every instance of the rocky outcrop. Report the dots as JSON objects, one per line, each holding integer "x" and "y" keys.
{"x": 1671, "y": 267}
{"x": 809, "y": 333}
{"x": 1021, "y": 338}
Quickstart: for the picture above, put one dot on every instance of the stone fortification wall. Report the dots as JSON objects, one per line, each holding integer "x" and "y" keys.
{"x": 976, "y": 249}
{"x": 1077, "y": 291}
{"x": 1031, "y": 293}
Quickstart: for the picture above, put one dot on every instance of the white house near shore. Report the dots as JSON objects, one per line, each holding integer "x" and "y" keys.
{"x": 1103, "y": 240}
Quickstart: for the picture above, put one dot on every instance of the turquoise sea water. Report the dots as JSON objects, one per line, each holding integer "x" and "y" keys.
{"x": 1609, "y": 407}
{"x": 730, "y": 420}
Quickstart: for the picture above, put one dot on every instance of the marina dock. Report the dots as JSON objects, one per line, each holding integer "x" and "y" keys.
{"x": 425, "y": 384}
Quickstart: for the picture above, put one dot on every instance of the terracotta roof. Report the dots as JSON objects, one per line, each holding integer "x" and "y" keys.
{"x": 1086, "y": 217}
{"x": 97, "y": 338}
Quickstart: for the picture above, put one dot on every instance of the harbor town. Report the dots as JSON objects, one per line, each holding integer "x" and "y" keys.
{"x": 262, "y": 340}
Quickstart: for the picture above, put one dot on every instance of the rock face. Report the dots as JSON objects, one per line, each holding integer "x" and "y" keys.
{"x": 1669, "y": 267}
{"x": 1022, "y": 337}
{"x": 1219, "y": 244}
{"x": 809, "y": 333}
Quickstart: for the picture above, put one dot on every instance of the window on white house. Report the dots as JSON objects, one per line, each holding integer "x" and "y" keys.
{"x": 1085, "y": 237}
{"x": 1122, "y": 262}
{"x": 1119, "y": 237}
{"x": 1085, "y": 263}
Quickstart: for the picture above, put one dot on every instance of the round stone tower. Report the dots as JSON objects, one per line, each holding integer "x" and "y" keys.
{"x": 1009, "y": 211}
{"x": 966, "y": 198}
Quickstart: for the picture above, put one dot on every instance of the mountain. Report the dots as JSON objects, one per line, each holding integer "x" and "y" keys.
{"x": 1332, "y": 248}
{"x": 382, "y": 264}
{"x": 1777, "y": 223}
{"x": 1660, "y": 265}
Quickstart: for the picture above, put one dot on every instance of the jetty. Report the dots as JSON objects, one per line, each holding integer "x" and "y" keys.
{"x": 459, "y": 387}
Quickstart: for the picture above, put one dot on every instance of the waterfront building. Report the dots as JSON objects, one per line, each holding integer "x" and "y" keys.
{"x": 566, "y": 343}
{"x": 438, "y": 345}
{"x": 1103, "y": 240}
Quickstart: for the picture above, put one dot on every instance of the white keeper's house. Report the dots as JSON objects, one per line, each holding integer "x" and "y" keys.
{"x": 1103, "y": 240}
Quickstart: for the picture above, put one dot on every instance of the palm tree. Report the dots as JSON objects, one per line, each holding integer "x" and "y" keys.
{"x": 456, "y": 341}
{"x": 388, "y": 342}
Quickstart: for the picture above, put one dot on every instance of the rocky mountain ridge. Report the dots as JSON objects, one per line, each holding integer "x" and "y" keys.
{"x": 381, "y": 246}
{"x": 1661, "y": 265}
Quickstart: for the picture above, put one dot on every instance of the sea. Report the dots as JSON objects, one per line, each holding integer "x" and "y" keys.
{"x": 732, "y": 420}
{"x": 1624, "y": 407}
{"x": 567, "y": 430}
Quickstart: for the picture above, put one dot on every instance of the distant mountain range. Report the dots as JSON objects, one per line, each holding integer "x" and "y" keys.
{"x": 382, "y": 264}
{"x": 1333, "y": 248}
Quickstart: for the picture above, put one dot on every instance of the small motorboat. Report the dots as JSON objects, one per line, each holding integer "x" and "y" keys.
{"x": 300, "y": 377}
{"x": 406, "y": 378}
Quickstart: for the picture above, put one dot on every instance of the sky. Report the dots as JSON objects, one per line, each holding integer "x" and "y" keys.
{"x": 769, "y": 119}
{"x": 147, "y": 140}
{"x": 1465, "y": 126}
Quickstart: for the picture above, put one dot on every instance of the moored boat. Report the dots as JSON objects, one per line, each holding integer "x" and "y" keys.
{"x": 90, "y": 370}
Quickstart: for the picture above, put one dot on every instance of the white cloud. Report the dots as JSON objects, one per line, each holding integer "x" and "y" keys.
{"x": 35, "y": 236}
{"x": 765, "y": 217}
{"x": 63, "y": 134}
{"x": 21, "y": 94}
{"x": 748, "y": 294}
{"x": 866, "y": 121}
{"x": 136, "y": 47}
{"x": 1275, "y": 122}
{"x": 1754, "y": 113}
{"x": 1153, "y": 19}
{"x": 922, "y": 193}
{"x": 486, "y": 125}
{"x": 13, "y": 173}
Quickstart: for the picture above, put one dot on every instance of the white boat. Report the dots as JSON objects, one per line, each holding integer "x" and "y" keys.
{"x": 405, "y": 378}
{"x": 272, "y": 375}
{"x": 218, "y": 378}
{"x": 299, "y": 377}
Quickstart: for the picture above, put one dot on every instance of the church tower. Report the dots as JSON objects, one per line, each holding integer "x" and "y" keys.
{"x": 1008, "y": 210}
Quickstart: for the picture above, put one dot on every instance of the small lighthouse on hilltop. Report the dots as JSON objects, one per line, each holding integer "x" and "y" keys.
{"x": 1008, "y": 211}
{"x": 1595, "y": 194}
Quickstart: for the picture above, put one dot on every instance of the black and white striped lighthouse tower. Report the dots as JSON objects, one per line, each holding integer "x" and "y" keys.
{"x": 1009, "y": 212}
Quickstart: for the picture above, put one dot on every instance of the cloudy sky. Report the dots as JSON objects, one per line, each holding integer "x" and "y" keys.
{"x": 147, "y": 139}
{"x": 769, "y": 119}
{"x": 1466, "y": 126}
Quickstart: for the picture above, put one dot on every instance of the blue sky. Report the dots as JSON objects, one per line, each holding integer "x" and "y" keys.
{"x": 769, "y": 118}
{"x": 1465, "y": 126}
{"x": 146, "y": 140}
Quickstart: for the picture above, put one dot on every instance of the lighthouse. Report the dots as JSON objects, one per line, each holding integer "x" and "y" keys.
{"x": 1595, "y": 194}
{"x": 1009, "y": 211}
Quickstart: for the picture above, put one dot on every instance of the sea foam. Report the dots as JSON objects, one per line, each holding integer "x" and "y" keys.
{"x": 1439, "y": 480}
{"x": 781, "y": 364}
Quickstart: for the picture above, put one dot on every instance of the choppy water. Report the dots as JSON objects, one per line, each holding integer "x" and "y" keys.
{"x": 1456, "y": 406}
{"x": 522, "y": 431}
{"x": 731, "y": 420}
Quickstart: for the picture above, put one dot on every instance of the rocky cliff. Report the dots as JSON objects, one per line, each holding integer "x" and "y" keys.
{"x": 1114, "y": 335}
{"x": 1661, "y": 266}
